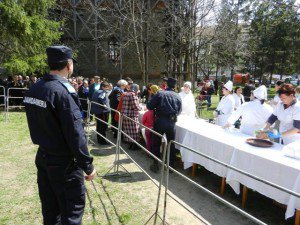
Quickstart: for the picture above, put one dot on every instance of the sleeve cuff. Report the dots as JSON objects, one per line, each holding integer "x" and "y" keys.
{"x": 272, "y": 119}
{"x": 89, "y": 169}
{"x": 296, "y": 124}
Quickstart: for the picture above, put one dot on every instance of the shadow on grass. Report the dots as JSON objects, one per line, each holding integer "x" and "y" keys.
{"x": 103, "y": 151}
{"x": 121, "y": 218}
{"x": 131, "y": 178}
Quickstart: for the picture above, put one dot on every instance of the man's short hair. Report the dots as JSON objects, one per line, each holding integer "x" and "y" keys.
{"x": 122, "y": 83}
{"x": 57, "y": 66}
{"x": 104, "y": 84}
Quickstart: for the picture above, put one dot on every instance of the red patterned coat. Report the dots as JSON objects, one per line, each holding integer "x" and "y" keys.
{"x": 131, "y": 108}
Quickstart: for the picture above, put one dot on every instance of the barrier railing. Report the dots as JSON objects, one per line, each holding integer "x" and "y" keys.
{"x": 3, "y": 98}
{"x": 162, "y": 161}
{"x": 211, "y": 193}
{"x": 164, "y": 166}
{"x": 116, "y": 163}
{"x": 8, "y": 106}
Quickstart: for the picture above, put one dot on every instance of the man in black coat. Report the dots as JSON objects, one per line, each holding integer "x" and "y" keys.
{"x": 55, "y": 123}
{"x": 167, "y": 105}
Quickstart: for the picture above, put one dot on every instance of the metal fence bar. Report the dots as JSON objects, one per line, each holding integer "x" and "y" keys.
{"x": 209, "y": 192}
{"x": 4, "y": 98}
{"x": 116, "y": 163}
{"x": 240, "y": 171}
{"x": 12, "y": 97}
{"x": 155, "y": 214}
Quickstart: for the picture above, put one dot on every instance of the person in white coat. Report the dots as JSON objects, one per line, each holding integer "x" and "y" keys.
{"x": 276, "y": 98}
{"x": 287, "y": 112}
{"x": 188, "y": 101}
{"x": 254, "y": 113}
{"x": 226, "y": 105}
{"x": 238, "y": 97}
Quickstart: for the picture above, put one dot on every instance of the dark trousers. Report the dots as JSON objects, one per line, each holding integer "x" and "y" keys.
{"x": 61, "y": 189}
{"x": 114, "y": 123}
{"x": 101, "y": 127}
{"x": 208, "y": 99}
{"x": 164, "y": 126}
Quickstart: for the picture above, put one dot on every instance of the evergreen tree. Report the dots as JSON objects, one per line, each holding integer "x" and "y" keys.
{"x": 275, "y": 38}
{"x": 26, "y": 31}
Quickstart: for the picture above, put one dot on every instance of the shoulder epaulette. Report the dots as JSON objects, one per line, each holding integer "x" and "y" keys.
{"x": 69, "y": 87}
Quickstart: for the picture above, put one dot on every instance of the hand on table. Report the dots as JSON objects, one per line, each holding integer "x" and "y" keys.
{"x": 274, "y": 134}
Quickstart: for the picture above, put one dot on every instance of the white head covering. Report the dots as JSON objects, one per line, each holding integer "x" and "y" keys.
{"x": 188, "y": 84}
{"x": 260, "y": 92}
{"x": 229, "y": 85}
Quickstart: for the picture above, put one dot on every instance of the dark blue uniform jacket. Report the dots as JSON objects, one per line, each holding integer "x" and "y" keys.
{"x": 99, "y": 96}
{"x": 55, "y": 122}
{"x": 166, "y": 103}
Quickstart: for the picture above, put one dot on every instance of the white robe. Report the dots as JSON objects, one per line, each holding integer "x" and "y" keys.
{"x": 225, "y": 107}
{"x": 254, "y": 116}
{"x": 286, "y": 118}
{"x": 188, "y": 104}
{"x": 238, "y": 100}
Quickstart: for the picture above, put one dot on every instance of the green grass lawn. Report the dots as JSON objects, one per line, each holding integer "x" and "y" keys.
{"x": 124, "y": 201}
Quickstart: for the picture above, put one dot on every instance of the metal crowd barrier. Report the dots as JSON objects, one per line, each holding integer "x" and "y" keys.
{"x": 117, "y": 163}
{"x": 167, "y": 168}
{"x": 8, "y": 106}
{"x": 3, "y": 98}
{"x": 211, "y": 193}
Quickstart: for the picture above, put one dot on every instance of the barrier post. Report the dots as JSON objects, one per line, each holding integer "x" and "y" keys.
{"x": 4, "y": 100}
{"x": 7, "y": 100}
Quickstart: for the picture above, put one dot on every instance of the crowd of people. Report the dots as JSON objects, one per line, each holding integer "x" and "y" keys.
{"x": 246, "y": 108}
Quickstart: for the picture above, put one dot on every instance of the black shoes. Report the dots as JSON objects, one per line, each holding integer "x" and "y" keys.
{"x": 154, "y": 167}
{"x": 132, "y": 146}
{"x": 103, "y": 142}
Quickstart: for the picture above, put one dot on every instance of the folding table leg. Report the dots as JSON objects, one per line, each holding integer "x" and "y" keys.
{"x": 297, "y": 217}
{"x": 244, "y": 196}
{"x": 223, "y": 184}
{"x": 194, "y": 168}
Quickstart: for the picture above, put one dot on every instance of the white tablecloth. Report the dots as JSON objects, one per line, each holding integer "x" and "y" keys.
{"x": 230, "y": 147}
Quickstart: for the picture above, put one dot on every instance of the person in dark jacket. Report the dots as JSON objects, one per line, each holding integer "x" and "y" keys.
{"x": 247, "y": 91}
{"x": 114, "y": 99}
{"x": 167, "y": 105}
{"x": 55, "y": 124}
{"x": 83, "y": 94}
{"x": 101, "y": 113}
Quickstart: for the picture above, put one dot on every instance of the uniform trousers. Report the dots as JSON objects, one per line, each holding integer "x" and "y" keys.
{"x": 101, "y": 127}
{"x": 114, "y": 123}
{"x": 61, "y": 189}
{"x": 164, "y": 126}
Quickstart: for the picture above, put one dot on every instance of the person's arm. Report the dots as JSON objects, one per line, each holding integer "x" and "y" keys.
{"x": 153, "y": 102}
{"x": 136, "y": 104}
{"x": 290, "y": 132}
{"x": 228, "y": 106}
{"x": 235, "y": 116}
{"x": 72, "y": 130}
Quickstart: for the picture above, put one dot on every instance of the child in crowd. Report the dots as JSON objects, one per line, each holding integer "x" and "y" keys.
{"x": 147, "y": 121}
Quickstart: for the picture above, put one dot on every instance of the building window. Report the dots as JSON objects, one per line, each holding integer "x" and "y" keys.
{"x": 113, "y": 49}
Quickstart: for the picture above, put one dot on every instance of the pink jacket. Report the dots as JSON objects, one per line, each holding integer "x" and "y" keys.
{"x": 147, "y": 119}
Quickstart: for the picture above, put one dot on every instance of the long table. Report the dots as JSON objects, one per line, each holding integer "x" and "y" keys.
{"x": 230, "y": 147}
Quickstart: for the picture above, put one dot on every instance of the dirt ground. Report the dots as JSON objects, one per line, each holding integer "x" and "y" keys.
{"x": 208, "y": 209}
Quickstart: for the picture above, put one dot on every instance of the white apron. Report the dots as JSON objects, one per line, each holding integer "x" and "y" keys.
{"x": 254, "y": 116}
{"x": 225, "y": 107}
{"x": 286, "y": 118}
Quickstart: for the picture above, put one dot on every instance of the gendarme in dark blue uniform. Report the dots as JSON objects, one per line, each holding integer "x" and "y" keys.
{"x": 167, "y": 106}
{"x": 55, "y": 124}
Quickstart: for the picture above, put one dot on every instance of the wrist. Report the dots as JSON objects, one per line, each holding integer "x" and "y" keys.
{"x": 89, "y": 169}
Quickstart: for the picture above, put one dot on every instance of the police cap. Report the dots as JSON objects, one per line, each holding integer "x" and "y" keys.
{"x": 59, "y": 54}
{"x": 171, "y": 82}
